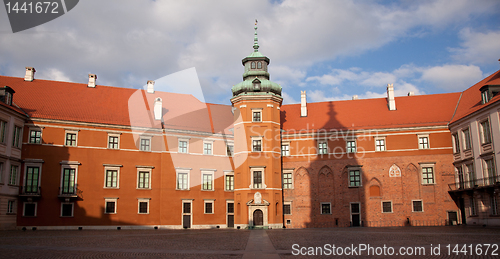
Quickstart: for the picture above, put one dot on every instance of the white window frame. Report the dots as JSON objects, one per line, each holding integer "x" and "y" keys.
{"x": 183, "y": 171}
{"x": 144, "y": 169}
{"x": 69, "y": 165}
{"x": 347, "y": 148}
{"x": 179, "y": 140}
{"x": 211, "y": 142}
{"x": 413, "y": 207}
{"x": 257, "y": 138}
{"x": 262, "y": 169}
{"x": 289, "y": 203}
{"x": 150, "y": 143}
{"x": 205, "y": 201}
{"x": 212, "y": 174}
{"x": 115, "y": 135}
{"x": 72, "y": 210}
{"x": 287, "y": 171}
{"x": 465, "y": 138}
{"x": 139, "y": 200}
{"x": 115, "y": 200}
{"x": 111, "y": 168}
{"x": 392, "y": 208}
{"x": 420, "y": 146}
{"x": 257, "y": 110}
{"x": 326, "y": 148}
{"x": 349, "y": 170}
{"x": 24, "y": 208}
{"x": 17, "y": 137}
{"x": 482, "y": 131}
{"x": 35, "y": 129}
{"x": 16, "y": 177}
{"x": 71, "y": 131}
{"x": 232, "y": 149}
{"x": 11, "y": 207}
{"x": 428, "y": 165}
{"x": 321, "y": 208}
{"x": 384, "y": 146}
{"x": 228, "y": 173}
{"x": 4, "y": 130}
{"x": 285, "y": 144}
{"x": 456, "y": 142}
{"x": 26, "y": 165}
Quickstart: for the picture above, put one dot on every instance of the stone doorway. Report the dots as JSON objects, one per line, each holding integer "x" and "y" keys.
{"x": 258, "y": 218}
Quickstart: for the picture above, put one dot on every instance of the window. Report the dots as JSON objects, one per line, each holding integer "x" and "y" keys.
{"x": 207, "y": 148}
{"x": 71, "y": 137}
{"x": 387, "y": 206}
{"x": 111, "y": 178}
{"x": 427, "y": 175}
{"x": 470, "y": 177}
{"x": 484, "y": 97}
{"x": 326, "y": 208}
{"x": 68, "y": 181}
{"x": 143, "y": 206}
{"x": 29, "y": 209}
{"x": 113, "y": 141}
{"x": 229, "y": 150}
{"x": 31, "y": 179}
{"x": 186, "y": 207}
{"x": 16, "y": 140}
{"x": 285, "y": 149}
{"x": 417, "y": 206}
{"x": 259, "y": 64}
{"x": 354, "y": 178}
{"x": 3, "y": 131}
{"x": 209, "y": 206}
{"x": 256, "y": 116}
{"x": 11, "y": 204}
{"x": 253, "y": 65}
{"x": 287, "y": 208}
{"x": 257, "y": 145}
{"x": 143, "y": 181}
{"x": 287, "y": 180}
{"x": 229, "y": 182}
{"x": 423, "y": 142}
{"x": 351, "y": 146}
{"x": 472, "y": 206}
{"x": 14, "y": 169}
{"x": 1, "y": 172}
{"x": 493, "y": 204}
{"x": 380, "y": 144}
{"x": 183, "y": 180}
{"x": 67, "y": 209}
{"x": 489, "y": 171}
{"x": 467, "y": 143}
{"x": 207, "y": 181}
{"x": 110, "y": 206}
{"x": 230, "y": 207}
{"x": 322, "y": 148}
{"x": 257, "y": 179}
{"x": 35, "y": 136}
{"x": 456, "y": 143}
{"x": 485, "y": 132}
{"x": 183, "y": 146}
{"x": 145, "y": 144}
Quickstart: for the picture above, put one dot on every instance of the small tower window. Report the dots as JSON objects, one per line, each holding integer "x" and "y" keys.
{"x": 253, "y": 64}
{"x": 259, "y": 65}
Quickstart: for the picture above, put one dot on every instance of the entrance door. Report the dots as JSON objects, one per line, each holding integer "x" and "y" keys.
{"x": 452, "y": 218}
{"x": 462, "y": 210}
{"x": 258, "y": 218}
{"x": 186, "y": 214}
{"x": 355, "y": 215}
{"x": 230, "y": 215}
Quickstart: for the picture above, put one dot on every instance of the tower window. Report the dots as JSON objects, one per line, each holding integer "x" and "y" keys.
{"x": 259, "y": 65}
{"x": 253, "y": 64}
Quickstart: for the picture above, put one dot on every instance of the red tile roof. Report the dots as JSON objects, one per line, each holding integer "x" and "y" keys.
{"x": 411, "y": 111}
{"x": 470, "y": 101}
{"x": 114, "y": 105}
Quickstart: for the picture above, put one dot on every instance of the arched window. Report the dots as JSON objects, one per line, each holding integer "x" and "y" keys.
{"x": 253, "y": 64}
{"x": 259, "y": 65}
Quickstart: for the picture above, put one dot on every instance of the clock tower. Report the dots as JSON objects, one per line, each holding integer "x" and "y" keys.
{"x": 257, "y": 158}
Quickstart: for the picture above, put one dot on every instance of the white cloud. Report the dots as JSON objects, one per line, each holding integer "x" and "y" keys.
{"x": 53, "y": 74}
{"x": 452, "y": 77}
{"x": 478, "y": 47}
{"x": 287, "y": 99}
{"x": 379, "y": 79}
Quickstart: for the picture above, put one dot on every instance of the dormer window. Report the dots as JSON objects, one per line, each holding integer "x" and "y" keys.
{"x": 488, "y": 92}
{"x": 6, "y": 94}
{"x": 253, "y": 65}
{"x": 256, "y": 85}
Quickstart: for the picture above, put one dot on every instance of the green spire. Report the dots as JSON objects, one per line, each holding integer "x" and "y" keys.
{"x": 255, "y": 39}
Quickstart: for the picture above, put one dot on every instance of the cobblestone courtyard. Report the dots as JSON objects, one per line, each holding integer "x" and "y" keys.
{"x": 219, "y": 243}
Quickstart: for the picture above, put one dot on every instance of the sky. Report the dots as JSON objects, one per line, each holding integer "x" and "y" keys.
{"x": 331, "y": 49}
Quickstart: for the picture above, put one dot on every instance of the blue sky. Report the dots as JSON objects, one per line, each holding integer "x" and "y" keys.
{"x": 331, "y": 49}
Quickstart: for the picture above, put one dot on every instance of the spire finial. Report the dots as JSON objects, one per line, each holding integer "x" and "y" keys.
{"x": 255, "y": 39}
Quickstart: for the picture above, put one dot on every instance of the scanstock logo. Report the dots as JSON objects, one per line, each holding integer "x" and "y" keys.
{"x": 27, "y": 14}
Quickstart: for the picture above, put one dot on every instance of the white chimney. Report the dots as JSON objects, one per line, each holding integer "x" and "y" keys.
{"x": 355, "y": 97}
{"x": 92, "y": 79}
{"x": 303, "y": 104}
{"x": 158, "y": 109}
{"x": 391, "y": 103}
{"x": 30, "y": 74}
{"x": 411, "y": 93}
{"x": 151, "y": 87}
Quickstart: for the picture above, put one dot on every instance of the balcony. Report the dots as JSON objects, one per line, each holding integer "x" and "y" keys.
{"x": 30, "y": 191}
{"x": 475, "y": 184}
{"x": 68, "y": 192}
